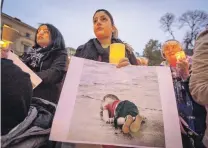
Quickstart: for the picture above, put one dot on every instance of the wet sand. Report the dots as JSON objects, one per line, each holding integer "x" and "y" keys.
{"x": 136, "y": 84}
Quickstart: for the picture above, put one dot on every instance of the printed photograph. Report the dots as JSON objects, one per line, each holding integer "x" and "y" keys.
{"x": 117, "y": 107}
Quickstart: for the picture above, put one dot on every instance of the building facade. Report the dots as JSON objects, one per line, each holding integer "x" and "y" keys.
{"x": 26, "y": 33}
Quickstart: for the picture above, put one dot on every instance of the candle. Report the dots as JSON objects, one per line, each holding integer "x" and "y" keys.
{"x": 117, "y": 52}
{"x": 180, "y": 55}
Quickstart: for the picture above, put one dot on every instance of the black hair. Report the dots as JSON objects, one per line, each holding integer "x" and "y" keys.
{"x": 56, "y": 37}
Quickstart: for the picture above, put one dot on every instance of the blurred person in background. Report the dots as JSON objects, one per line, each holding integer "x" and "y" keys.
{"x": 191, "y": 114}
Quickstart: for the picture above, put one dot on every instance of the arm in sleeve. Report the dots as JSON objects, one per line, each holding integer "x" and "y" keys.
{"x": 57, "y": 70}
{"x": 106, "y": 115}
{"x": 199, "y": 77}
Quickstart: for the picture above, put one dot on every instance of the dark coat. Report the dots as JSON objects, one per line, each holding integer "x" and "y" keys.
{"x": 187, "y": 107}
{"x": 92, "y": 50}
{"x": 52, "y": 71}
{"x": 16, "y": 94}
{"x": 34, "y": 131}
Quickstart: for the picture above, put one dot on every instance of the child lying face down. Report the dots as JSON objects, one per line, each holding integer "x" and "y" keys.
{"x": 123, "y": 114}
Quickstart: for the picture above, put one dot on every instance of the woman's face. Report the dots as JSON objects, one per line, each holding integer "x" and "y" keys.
{"x": 103, "y": 27}
{"x": 43, "y": 36}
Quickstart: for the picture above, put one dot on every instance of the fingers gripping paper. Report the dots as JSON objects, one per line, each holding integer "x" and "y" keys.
{"x": 34, "y": 78}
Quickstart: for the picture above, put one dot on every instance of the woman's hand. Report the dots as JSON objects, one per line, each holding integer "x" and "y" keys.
{"x": 183, "y": 68}
{"x": 123, "y": 62}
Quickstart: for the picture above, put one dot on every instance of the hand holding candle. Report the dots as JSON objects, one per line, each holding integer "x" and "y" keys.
{"x": 117, "y": 55}
{"x": 180, "y": 55}
{"x": 183, "y": 68}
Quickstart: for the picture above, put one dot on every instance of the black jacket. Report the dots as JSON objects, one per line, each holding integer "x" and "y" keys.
{"x": 92, "y": 50}
{"x": 16, "y": 94}
{"x": 199, "y": 111}
{"x": 52, "y": 71}
{"x": 187, "y": 107}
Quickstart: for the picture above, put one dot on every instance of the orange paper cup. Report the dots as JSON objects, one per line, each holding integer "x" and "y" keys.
{"x": 180, "y": 55}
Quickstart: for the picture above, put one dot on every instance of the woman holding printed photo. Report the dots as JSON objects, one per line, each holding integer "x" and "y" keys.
{"x": 98, "y": 49}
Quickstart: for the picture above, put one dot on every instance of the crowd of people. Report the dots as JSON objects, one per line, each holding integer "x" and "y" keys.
{"x": 27, "y": 114}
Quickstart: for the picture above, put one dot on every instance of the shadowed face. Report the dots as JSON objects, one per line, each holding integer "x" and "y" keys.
{"x": 103, "y": 27}
{"x": 43, "y": 36}
{"x": 169, "y": 50}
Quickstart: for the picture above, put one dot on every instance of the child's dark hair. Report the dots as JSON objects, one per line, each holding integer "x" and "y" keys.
{"x": 114, "y": 97}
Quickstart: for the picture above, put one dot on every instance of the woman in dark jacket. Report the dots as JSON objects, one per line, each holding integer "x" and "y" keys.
{"x": 98, "y": 48}
{"x": 48, "y": 59}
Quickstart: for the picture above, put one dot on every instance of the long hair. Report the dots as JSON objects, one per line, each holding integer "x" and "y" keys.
{"x": 56, "y": 37}
{"x": 105, "y": 101}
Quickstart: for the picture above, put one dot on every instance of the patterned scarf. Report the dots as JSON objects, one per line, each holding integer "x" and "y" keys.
{"x": 34, "y": 57}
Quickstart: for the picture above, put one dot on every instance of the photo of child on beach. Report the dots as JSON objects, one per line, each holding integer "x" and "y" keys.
{"x": 123, "y": 114}
{"x": 119, "y": 107}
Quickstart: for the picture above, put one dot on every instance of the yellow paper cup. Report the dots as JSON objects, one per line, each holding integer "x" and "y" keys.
{"x": 117, "y": 52}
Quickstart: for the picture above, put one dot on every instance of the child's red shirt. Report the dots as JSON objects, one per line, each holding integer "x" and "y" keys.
{"x": 112, "y": 108}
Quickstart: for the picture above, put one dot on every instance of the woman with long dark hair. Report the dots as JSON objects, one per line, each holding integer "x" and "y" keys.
{"x": 106, "y": 33}
{"x": 48, "y": 59}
